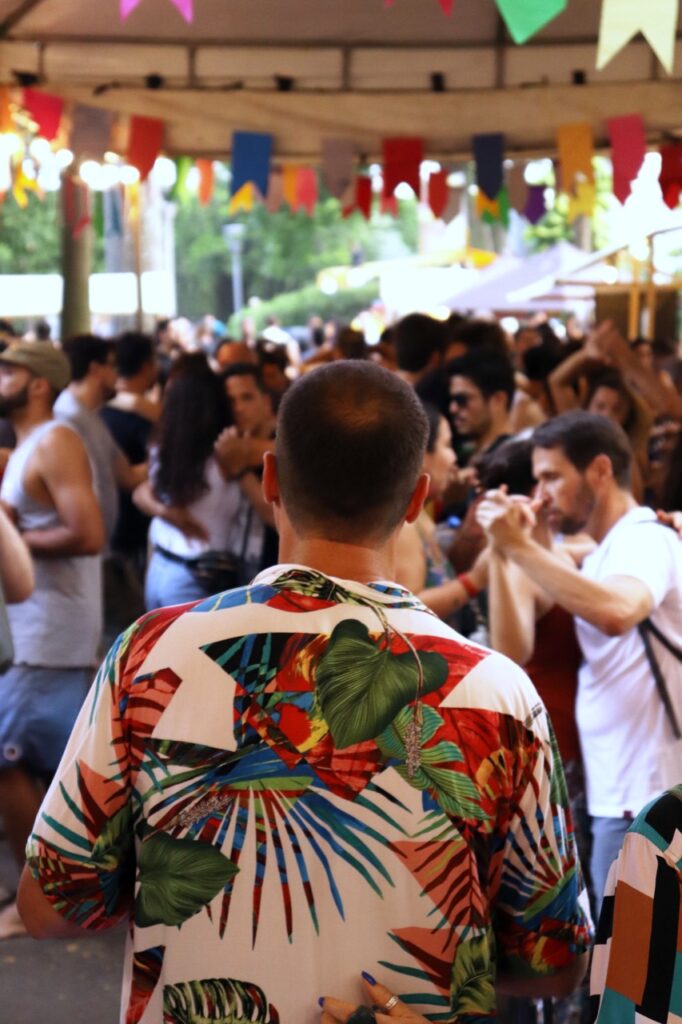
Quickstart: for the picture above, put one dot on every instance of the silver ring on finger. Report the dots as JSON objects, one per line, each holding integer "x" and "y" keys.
{"x": 387, "y": 1007}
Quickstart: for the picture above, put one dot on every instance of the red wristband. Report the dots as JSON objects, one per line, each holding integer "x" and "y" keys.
{"x": 468, "y": 584}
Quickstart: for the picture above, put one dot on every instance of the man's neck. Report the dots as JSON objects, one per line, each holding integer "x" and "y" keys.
{"x": 497, "y": 428}
{"x": 347, "y": 561}
{"x": 87, "y": 393}
{"x": 132, "y": 385}
{"x": 24, "y": 421}
{"x": 607, "y": 513}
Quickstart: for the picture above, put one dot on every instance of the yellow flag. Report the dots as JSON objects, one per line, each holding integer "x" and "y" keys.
{"x": 622, "y": 19}
{"x": 576, "y": 149}
{"x": 243, "y": 199}
{"x": 22, "y": 185}
{"x": 582, "y": 204}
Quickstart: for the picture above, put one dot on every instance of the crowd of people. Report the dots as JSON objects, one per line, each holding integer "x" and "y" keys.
{"x": 539, "y": 516}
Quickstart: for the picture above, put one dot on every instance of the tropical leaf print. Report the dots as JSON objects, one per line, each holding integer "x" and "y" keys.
{"x": 217, "y": 1001}
{"x": 450, "y": 786}
{"x": 177, "y": 878}
{"x": 473, "y": 990}
{"x": 362, "y": 684}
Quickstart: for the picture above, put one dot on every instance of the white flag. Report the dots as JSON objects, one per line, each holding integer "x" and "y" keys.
{"x": 622, "y": 19}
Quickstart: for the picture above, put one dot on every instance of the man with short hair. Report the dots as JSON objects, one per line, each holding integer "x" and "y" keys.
{"x": 288, "y": 784}
{"x": 419, "y": 344}
{"x": 481, "y": 392}
{"x": 93, "y": 382}
{"x": 47, "y": 490}
{"x": 627, "y": 600}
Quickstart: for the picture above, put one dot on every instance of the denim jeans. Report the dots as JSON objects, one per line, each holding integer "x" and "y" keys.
{"x": 607, "y": 839}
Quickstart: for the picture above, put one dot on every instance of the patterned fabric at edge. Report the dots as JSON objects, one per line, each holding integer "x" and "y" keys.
{"x": 241, "y": 762}
{"x": 637, "y": 962}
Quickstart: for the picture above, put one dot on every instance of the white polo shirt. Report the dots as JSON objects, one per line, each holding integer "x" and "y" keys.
{"x": 628, "y": 746}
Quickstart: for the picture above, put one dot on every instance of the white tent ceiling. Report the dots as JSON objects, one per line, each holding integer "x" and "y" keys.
{"x": 359, "y": 70}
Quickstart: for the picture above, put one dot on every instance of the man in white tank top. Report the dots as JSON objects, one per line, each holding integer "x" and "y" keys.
{"x": 47, "y": 490}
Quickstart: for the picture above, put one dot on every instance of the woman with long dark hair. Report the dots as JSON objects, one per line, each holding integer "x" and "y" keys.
{"x": 192, "y": 503}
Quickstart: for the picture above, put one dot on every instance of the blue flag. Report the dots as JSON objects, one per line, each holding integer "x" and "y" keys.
{"x": 489, "y": 157}
{"x": 251, "y": 153}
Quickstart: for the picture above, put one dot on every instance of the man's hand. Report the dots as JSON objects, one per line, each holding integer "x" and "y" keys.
{"x": 233, "y": 452}
{"x": 672, "y": 519}
{"x": 507, "y": 521}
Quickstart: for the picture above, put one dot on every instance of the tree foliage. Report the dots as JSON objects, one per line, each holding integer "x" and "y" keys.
{"x": 29, "y": 238}
{"x": 282, "y": 251}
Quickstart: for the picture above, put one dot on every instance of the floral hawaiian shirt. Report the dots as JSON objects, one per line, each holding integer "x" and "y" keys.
{"x": 237, "y": 785}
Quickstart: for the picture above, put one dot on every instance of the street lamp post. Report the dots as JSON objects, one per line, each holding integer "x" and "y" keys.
{"x": 234, "y": 239}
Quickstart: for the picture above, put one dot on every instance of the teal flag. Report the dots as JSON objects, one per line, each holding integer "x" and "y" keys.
{"x": 526, "y": 17}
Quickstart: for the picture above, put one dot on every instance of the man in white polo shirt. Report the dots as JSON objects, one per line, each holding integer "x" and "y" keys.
{"x": 627, "y": 599}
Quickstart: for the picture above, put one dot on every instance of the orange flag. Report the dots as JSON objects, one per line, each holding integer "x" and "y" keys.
{"x": 576, "y": 149}
{"x": 206, "y": 181}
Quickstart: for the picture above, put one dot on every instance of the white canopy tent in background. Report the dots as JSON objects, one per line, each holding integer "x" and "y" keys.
{"x": 514, "y": 284}
{"x": 353, "y": 69}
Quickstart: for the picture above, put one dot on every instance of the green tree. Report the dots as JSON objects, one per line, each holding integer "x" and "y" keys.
{"x": 282, "y": 251}
{"x": 29, "y": 238}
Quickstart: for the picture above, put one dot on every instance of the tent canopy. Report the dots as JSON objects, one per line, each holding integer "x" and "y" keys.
{"x": 355, "y": 69}
{"x": 514, "y": 285}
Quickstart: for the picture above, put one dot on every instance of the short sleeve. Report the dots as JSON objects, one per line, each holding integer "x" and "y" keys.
{"x": 643, "y": 551}
{"x": 542, "y": 920}
{"x": 81, "y": 848}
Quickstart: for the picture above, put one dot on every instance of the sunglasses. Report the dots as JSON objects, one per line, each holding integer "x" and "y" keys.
{"x": 461, "y": 398}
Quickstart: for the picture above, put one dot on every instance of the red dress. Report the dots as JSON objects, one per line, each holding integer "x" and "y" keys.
{"x": 553, "y": 668}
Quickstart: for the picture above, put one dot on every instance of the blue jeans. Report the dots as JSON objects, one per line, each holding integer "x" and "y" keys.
{"x": 607, "y": 839}
{"x": 169, "y": 582}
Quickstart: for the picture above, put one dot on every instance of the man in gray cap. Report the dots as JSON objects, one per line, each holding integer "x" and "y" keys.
{"x": 47, "y": 490}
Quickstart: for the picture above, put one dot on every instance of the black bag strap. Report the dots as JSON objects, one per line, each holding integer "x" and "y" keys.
{"x": 644, "y": 629}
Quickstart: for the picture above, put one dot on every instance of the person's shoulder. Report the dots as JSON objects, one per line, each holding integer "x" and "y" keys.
{"x": 661, "y": 820}
{"x": 490, "y": 682}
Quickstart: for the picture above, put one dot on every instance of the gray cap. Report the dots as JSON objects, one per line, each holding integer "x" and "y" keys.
{"x": 42, "y": 359}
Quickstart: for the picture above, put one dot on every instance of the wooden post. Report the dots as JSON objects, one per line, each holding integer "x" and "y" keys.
{"x": 76, "y": 256}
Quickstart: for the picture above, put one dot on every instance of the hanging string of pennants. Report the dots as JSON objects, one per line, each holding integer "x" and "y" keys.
{"x": 620, "y": 21}
{"x": 90, "y": 132}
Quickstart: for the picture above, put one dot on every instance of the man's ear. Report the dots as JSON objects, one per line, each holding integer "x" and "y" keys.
{"x": 419, "y": 496}
{"x": 270, "y": 481}
{"x": 600, "y": 470}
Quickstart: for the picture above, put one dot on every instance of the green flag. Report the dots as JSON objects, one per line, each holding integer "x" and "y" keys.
{"x": 526, "y": 17}
{"x": 183, "y": 165}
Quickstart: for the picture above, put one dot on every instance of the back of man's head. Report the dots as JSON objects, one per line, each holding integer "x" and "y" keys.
{"x": 582, "y": 436}
{"x": 350, "y": 443}
{"x": 85, "y": 349}
{"x": 478, "y": 334}
{"x": 488, "y": 369}
{"x": 133, "y": 352}
{"x": 419, "y": 342}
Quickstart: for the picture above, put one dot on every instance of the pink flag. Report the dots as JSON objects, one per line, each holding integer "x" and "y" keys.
{"x": 186, "y": 8}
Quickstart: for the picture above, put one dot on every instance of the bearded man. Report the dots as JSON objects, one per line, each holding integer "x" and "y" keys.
{"x": 47, "y": 490}
{"x": 627, "y": 600}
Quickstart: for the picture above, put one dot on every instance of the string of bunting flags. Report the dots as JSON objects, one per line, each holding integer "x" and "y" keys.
{"x": 621, "y": 20}
{"x": 87, "y": 133}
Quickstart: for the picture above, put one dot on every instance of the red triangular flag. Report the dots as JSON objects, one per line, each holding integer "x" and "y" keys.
{"x": 389, "y": 205}
{"x": 447, "y": 5}
{"x": 306, "y": 190}
{"x": 628, "y": 145}
{"x": 438, "y": 192}
{"x": 46, "y": 111}
{"x": 362, "y": 200}
{"x": 144, "y": 143}
{"x": 671, "y": 173}
{"x": 402, "y": 159}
